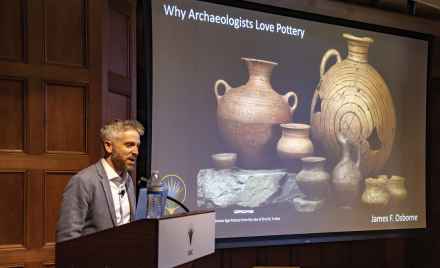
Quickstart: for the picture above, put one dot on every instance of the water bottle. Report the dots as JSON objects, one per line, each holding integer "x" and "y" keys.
{"x": 156, "y": 197}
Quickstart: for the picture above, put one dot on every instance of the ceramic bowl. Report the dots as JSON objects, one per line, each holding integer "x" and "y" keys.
{"x": 224, "y": 160}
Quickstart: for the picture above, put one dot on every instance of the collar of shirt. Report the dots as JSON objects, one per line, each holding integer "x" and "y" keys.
{"x": 111, "y": 173}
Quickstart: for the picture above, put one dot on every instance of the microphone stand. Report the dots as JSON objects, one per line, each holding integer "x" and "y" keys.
{"x": 178, "y": 203}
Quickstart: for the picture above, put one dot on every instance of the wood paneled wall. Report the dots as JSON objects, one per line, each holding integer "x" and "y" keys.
{"x": 65, "y": 68}
{"x": 359, "y": 254}
{"x": 120, "y": 59}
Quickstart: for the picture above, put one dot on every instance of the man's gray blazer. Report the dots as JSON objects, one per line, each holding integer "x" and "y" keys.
{"x": 87, "y": 205}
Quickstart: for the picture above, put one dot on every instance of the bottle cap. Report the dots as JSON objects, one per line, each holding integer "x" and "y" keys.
{"x": 155, "y": 179}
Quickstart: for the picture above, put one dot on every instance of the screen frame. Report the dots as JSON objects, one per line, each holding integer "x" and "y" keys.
{"x": 144, "y": 115}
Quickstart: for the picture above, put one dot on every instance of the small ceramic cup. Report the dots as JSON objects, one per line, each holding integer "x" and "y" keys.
{"x": 224, "y": 160}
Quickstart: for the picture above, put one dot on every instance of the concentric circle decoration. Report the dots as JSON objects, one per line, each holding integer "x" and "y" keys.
{"x": 353, "y": 98}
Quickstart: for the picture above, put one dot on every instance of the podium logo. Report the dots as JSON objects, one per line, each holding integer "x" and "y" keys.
{"x": 243, "y": 211}
{"x": 190, "y": 235}
{"x": 190, "y": 239}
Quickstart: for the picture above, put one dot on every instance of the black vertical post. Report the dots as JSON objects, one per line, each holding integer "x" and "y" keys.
{"x": 144, "y": 85}
{"x": 411, "y": 7}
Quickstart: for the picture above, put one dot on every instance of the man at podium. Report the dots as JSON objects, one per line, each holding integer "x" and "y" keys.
{"x": 102, "y": 195}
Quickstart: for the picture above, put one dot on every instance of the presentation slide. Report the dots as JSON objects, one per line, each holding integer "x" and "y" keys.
{"x": 287, "y": 126}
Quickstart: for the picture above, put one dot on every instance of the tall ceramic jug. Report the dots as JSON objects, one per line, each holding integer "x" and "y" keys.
{"x": 353, "y": 98}
{"x": 249, "y": 116}
{"x": 347, "y": 176}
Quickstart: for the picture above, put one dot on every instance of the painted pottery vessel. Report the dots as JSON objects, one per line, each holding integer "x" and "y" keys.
{"x": 249, "y": 116}
{"x": 313, "y": 180}
{"x": 295, "y": 142}
{"x": 347, "y": 176}
{"x": 353, "y": 98}
{"x": 376, "y": 193}
{"x": 396, "y": 188}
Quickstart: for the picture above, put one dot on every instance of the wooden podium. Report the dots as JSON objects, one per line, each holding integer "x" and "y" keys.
{"x": 162, "y": 243}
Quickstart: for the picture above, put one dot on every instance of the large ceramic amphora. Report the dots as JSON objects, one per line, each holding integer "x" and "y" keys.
{"x": 249, "y": 116}
{"x": 353, "y": 98}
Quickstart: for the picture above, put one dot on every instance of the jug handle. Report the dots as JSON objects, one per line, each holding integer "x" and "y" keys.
{"x": 295, "y": 101}
{"x": 225, "y": 84}
{"x": 326, "y": 57}
{"x": 312, "y": 106}
{"x": 329, "y": 53}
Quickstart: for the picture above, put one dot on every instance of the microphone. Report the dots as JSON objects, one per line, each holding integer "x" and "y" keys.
{"x": 121, "y": 193}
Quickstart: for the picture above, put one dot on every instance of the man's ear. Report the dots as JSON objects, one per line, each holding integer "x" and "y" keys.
{"x": 108, "y": 147}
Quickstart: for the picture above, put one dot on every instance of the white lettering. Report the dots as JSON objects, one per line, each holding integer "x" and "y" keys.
{"x": 243, "y": 211}
{"x": 174, "y": 11}
{"x": 261, "y": 26}
{"x": 379, "y": 219}
{"x": 405, "y": 218}
{"x": 235, "y": 22}
{"x": 168, "y": 10}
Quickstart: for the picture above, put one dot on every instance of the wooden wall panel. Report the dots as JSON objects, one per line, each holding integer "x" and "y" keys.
{"x": 66, "y": 117}
{"x": 120, "y": 107}
{"x": 65, "y": 33}
{"x": 119, "y": 61}
{"x": 274, "y": 256}
{"x": 35, "y": 116}
{"x": 395, "y": 253}
{"x": 211, "y": 261}
{"x": 12, "y": 208}
{"x": 12, "y": 111}
{"x": 34, "y": 211}
{"x": 368, "y": 253}
{"x": 240, "y": 258}
{"x": 121, "y": 56}
{"x": 54, "y": 183}
{"x": 12, "y": 30}
{"x": 335, "y": 254}
{"x": 308, "y": 255}
{"x": 50, "y": 69}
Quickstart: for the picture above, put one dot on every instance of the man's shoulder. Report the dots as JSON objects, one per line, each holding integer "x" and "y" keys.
{"x": 88, "y": 174}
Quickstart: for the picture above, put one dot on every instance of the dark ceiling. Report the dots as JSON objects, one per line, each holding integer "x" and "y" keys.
{"x": 429, "y": 9}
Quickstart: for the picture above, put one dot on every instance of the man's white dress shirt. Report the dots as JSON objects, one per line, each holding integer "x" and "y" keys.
{"x": 119, "y": 193}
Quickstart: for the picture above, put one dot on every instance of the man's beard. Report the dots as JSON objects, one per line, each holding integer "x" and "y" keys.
{"x": 120, "y": 164}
